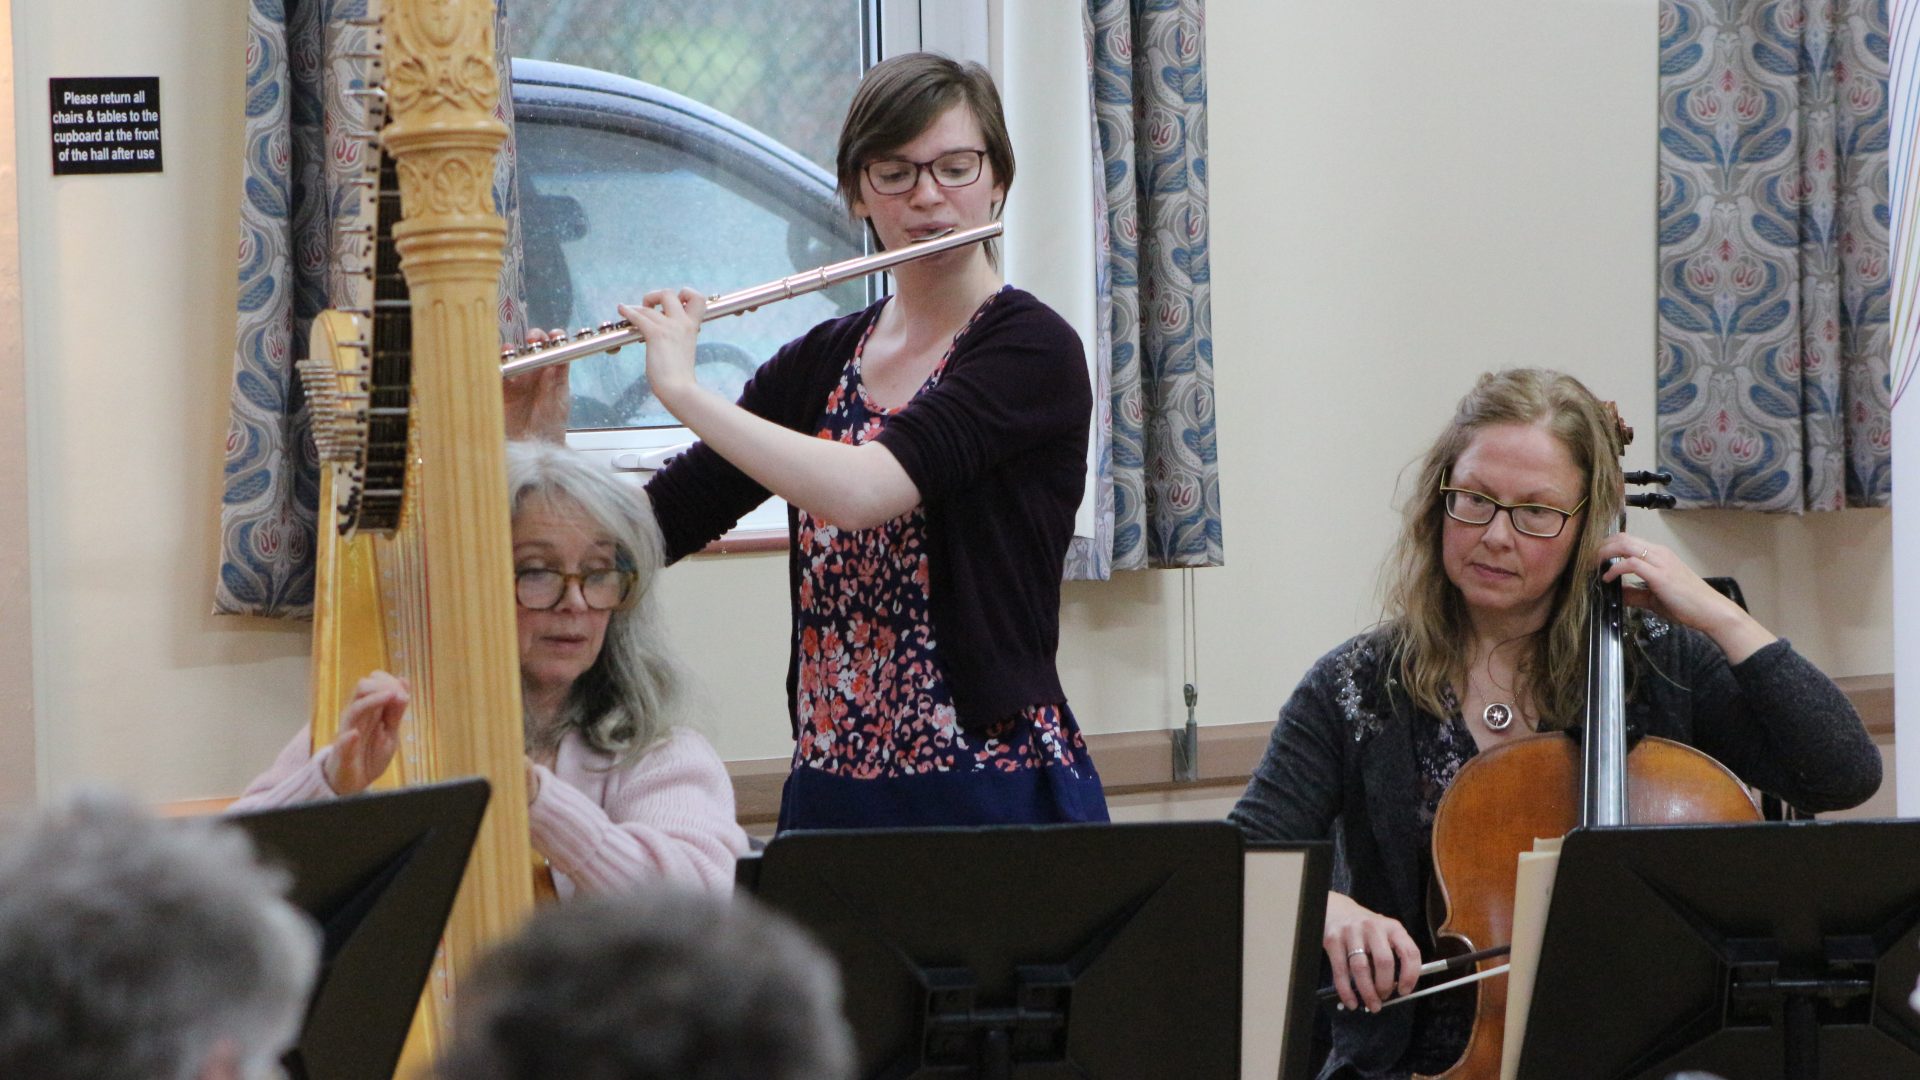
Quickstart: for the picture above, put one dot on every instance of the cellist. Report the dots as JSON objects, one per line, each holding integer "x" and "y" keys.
{"x": 1483, "y": 640}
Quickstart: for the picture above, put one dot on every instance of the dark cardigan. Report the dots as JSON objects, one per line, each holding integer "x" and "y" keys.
{"x": 997, "y": 450}
{"x": 1340, "y": 764}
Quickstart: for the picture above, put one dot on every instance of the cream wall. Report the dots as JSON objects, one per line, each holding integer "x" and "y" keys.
{"x": 1904, "y": 110}
{"x": 18, "y": 774}
{"x": 1403, "y": 196}
{"x": 129, "y": 290}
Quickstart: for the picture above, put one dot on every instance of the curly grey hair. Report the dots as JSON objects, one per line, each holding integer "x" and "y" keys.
{"x": 627, "y": 701}
{"x": 657, "y": 984}
{"x": 137, "y": 949}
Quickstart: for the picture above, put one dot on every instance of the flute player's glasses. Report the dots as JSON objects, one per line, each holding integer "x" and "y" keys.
{"x": 895, "y": 176}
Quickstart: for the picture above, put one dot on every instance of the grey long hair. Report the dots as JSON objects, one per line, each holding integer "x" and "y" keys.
{"x": 627, "y": 701}
{"x": 131, "y": 948}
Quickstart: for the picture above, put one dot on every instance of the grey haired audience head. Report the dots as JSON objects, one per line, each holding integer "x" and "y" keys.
{"x": 653, "y": 985}
{"x": 138, "y": 949}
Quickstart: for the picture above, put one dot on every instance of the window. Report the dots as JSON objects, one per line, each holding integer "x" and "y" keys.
{"x": 626, "y": 186}
{"x": 664, "y": 144}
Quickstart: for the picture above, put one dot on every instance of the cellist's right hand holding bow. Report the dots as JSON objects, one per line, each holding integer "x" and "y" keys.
{"x": 1373, "y": 957}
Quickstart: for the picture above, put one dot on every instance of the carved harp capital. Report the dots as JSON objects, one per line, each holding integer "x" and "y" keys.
{"x": 442, "y": 88}
{"x": 442, "y": 60}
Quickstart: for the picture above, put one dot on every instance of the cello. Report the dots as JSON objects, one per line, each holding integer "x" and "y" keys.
{"x": 1547, "y": 784}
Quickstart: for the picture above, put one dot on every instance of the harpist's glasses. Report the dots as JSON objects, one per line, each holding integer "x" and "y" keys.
{"x": 543, "y": 590}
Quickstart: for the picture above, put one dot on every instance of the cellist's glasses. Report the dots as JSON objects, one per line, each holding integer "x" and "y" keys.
{"x": 1471, "y": 507}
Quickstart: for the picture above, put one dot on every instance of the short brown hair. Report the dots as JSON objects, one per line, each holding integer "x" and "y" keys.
{"x": 903, "y": 96}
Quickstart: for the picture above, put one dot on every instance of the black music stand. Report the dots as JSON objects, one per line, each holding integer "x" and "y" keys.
{"x": 1745, "y": 951}
{"x": 1090, "y": 952}
{"x": 378, "y": 872}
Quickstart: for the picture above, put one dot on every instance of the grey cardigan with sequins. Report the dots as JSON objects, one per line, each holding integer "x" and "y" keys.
{"x": 1340, "y": 765}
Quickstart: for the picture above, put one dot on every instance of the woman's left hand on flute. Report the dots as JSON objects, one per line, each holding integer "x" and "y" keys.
{"x": 537, "y": 402}
{"x": 852, "y": 487}
{"x": 1670, "y": 589}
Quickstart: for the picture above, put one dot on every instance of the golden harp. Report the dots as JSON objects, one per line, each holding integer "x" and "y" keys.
{"x": 414, "y": 549}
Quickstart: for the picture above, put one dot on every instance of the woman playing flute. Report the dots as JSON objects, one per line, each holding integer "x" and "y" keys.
{"x": 932, "y": 451}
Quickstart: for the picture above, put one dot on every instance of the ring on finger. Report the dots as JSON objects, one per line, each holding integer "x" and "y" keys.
{"x": 1644, "y": 552}
{"x": 1361, "y": 951}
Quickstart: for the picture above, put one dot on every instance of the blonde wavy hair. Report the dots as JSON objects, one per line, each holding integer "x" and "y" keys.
{"x": 1425, "y": 610}
{"x": 628, "y": 700}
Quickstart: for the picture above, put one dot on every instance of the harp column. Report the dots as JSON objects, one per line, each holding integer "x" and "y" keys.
{"x": 442, "y": 90}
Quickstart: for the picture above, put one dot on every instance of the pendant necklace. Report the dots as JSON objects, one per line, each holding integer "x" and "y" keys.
{"x": 1498, "y": 716}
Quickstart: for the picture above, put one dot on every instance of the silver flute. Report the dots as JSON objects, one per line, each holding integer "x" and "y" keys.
{"x": 608, "y": 337}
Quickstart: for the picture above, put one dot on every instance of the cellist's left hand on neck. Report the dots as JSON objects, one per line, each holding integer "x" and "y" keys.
{"x": 1672, "y": 590}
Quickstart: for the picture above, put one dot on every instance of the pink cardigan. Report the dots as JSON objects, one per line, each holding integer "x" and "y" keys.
{"x": 667, "y": 817}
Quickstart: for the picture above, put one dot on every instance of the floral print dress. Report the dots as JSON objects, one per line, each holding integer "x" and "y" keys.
{"x": 879, "y": 741}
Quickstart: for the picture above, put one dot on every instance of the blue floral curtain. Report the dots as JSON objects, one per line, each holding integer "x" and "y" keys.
{"x": 1150, "y": 111}
{"x": 1774, "y": 271}
{"x": 301, "y": 149}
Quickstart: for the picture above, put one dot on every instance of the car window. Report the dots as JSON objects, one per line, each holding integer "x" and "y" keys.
{"x": 626, "y": 187}
{"x": 662, "y": 143}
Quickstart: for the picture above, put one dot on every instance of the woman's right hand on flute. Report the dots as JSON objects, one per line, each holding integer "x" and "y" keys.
{"x": 537, "y": 403}
{"x": 670, "y": 320}
{"x": 1363, "y": 947}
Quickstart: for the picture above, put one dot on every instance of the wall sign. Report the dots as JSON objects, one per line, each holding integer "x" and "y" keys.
{"x": 107, "y": 125}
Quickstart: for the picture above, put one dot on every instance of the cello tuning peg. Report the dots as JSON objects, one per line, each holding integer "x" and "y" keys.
{"x": 1647, "y": 476}
{"x": 1652, "y": 500}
